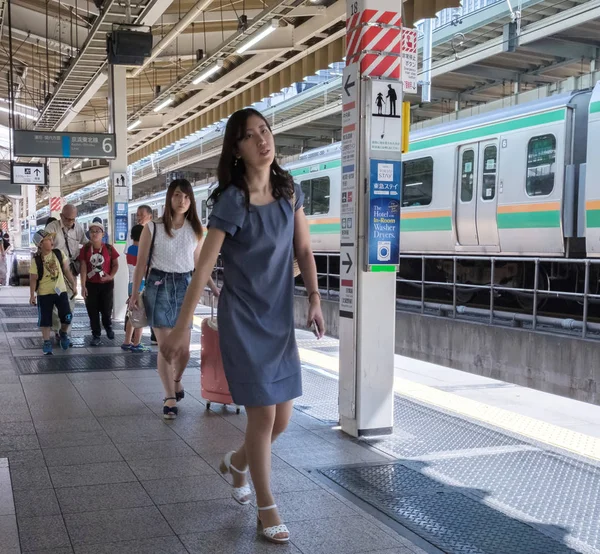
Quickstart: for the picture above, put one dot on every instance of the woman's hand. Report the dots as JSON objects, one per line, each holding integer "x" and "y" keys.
{"x": 177, "y": 346}
{"x": 32, "y": 299}
{"x": 216, "y": 292}
{"x": 316, "y": 315}
{"x": 133, "y": 301}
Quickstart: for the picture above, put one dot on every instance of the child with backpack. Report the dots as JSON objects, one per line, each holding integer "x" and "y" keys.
{"x": 99, "y": 265}
{"x": 133, "y": 336}
{"x": 47, "y": 274}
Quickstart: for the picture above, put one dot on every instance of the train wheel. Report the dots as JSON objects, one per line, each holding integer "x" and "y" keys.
{"x": 526, "y": 281}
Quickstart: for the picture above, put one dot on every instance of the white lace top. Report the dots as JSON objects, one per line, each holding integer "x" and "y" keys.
{"x": 176, "y": 254}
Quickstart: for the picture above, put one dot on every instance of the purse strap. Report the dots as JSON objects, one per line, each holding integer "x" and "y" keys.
{"x": 149, "y": 262}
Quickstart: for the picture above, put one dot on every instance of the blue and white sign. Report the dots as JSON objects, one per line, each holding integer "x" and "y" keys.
{"x": 384, "y": 213}
{"x": 121, "y": 223}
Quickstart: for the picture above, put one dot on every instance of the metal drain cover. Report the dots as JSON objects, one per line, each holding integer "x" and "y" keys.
{"x": 444, "y": 516}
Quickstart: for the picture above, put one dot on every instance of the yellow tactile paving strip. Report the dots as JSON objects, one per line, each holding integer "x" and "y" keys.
{"x": 522, "y": 425}
{"x": 525, "y": 426}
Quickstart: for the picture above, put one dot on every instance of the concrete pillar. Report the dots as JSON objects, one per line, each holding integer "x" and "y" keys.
{"x": 16, "y": 223}
{"x": 31, "y": 209}
{"x": 118, "y": 189}
{"x": 54, "y": 187}
{"x": 370, "y": 236}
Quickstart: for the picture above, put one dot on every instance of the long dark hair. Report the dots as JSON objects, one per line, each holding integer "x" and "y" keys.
{"x": 191, "y": 215}
{"x": 231, "y": 170}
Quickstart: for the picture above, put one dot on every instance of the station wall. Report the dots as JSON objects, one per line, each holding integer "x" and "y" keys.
{"x": 550, "y": 363}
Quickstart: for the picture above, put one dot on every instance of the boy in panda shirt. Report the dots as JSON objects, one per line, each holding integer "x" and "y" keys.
{"x": 99, "y": 265}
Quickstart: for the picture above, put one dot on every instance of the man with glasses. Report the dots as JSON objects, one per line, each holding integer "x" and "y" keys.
{"x": 69, "y": 238}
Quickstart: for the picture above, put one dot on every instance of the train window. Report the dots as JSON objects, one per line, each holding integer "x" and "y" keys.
{"x": 417, "y": 182}
{"x": 316, "y": 195}
{"x": 203, "y": 212}
{"x": 541, "y": 162}
{"x": 466, "y": 176}
{"x": 490, "y": 168}
{"x": 155, "y": 214}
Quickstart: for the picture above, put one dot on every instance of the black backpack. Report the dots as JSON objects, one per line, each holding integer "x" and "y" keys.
{"x": 40, "y": 265}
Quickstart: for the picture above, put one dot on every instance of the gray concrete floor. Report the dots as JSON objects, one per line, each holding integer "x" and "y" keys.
{"x": 87, "y": 465}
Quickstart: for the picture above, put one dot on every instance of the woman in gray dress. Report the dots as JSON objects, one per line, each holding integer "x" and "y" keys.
{"x": 257, "y": 223}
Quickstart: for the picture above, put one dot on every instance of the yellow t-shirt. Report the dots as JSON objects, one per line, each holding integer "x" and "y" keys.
{"x": 53, "y": 275}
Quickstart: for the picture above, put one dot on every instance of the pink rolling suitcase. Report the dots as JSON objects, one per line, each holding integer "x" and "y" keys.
{"x": 212, "y": 375}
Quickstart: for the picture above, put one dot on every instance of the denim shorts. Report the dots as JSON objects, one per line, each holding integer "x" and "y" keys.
{"x": 163, "y": 297}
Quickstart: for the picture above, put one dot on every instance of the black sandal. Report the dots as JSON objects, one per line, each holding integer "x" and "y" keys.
{"x": 170, "y": 412}
{"x": 179, "y": 395}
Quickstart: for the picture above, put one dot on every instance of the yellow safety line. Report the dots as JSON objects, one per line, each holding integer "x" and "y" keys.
{"x": 526, "y": 426}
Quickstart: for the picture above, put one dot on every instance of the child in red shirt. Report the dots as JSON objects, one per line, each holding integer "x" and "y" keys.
{"x": 99, "y": 266}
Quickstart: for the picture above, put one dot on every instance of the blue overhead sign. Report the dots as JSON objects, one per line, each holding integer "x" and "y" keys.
{"x": 384, "y": 214}
{"x": 39, "y": 144}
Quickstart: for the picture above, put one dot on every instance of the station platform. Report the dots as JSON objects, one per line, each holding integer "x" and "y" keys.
{"x": 87, "y": 464}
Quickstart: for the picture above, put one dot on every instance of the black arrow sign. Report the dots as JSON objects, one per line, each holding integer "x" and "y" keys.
{"x": 37, "y": 172}
{"x": 348, "y": 263}
{"x": 349, "y": 85}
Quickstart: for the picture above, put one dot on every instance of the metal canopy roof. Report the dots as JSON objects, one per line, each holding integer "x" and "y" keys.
{"x": 59, "y": 51}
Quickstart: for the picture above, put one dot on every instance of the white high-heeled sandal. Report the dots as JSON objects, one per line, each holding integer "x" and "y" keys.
{"x": 270, "y": 532}
{"x": 240, "y": 494}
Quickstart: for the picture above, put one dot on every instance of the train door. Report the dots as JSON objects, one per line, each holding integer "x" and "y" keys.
{"x": 477, "y": 195}
{"x": 466, "y": 201}
{"x": 487, "y": 226}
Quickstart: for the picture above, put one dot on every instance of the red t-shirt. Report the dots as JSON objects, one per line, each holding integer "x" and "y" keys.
{"x": 96, "y": 262}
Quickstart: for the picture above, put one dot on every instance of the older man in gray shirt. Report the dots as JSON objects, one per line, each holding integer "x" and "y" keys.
{"x": 69, "y": 238}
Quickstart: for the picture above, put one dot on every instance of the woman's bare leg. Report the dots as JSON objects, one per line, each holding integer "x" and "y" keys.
{"x": 265, "y": 424}
{"x": 165, "y": 370}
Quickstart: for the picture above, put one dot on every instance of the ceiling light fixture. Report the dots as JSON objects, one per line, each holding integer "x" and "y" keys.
{"x": 164, "y": 104}
{"x": 254, "y": 39}
{"x": 138, "y": 122}
{"x": 25, "y": 115}
{"x": 208, "y": 73}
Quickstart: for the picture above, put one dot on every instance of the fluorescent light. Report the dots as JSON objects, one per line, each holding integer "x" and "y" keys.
{"x": 139, "y": 121}
{"x": 26, "y": 115}
{"x": 67, "y": 172}
{"x": 77, "y": 165}
{"x": 32, "y": 108}
{"x": 86, "y": 160}
{"x": 163, "y": 104}
{"x": 207, "y": 73}
{"x": 266, "y": 31}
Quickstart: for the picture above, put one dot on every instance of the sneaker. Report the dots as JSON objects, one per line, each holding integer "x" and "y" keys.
{"x": 57, "y": 337}
{"x": 126, "y": 347}
{"x": 110, "y": 334}
{"x": 96, "y": 341}
{"x": 139, "y": 348}
{"x": 65, "y": 341}
{"x": 47, "y": 348}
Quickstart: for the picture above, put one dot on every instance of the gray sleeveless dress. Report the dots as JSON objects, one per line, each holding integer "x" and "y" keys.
{"x": 256, "y": 306}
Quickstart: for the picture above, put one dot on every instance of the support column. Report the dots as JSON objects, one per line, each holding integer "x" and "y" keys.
{"x": 16, "y": 235}
{"x": 31, "y": 209}
{"x": 54, "y": 187}
{"x": 118, "y": 189}
{"x": 370, "y": 217}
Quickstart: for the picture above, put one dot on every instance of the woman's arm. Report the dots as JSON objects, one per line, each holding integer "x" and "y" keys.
{"x": 142, "y": 262}
{"x": 308, "y": 268}
{"x": 179, "y": 338}
{"x": 211, "y": 283}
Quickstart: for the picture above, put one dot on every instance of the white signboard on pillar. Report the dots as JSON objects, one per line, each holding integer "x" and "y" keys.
{"x": 409, "y": 61}
{"x": 348, "y": 219}
{"x": 386, "y": 116}
{"x": 120, "y": 187}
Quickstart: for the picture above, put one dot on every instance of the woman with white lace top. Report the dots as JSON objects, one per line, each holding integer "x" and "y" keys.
{"x": 169, "y": 248}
